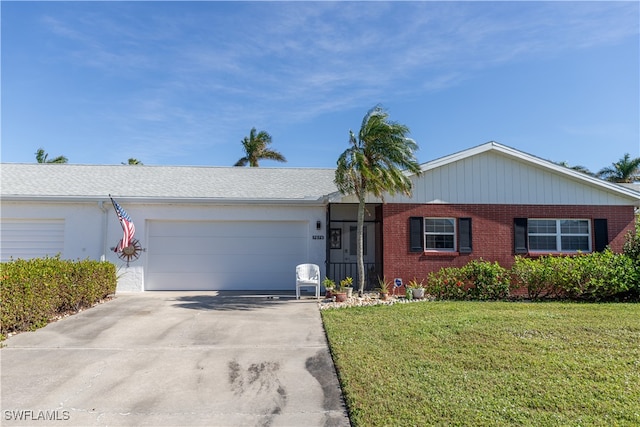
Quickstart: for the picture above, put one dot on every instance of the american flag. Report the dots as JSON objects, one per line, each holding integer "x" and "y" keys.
{"x": 127, "y": 226}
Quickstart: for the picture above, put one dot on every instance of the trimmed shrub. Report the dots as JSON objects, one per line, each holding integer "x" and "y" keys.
{"x": 631, "y": 248}
{"x": 609, "y": 276}
{"x": 596, "y": 276}
{"x": 536, "y": 275}
{"x": 32, "y": 292}
{"x": 477, "y": 280}
{"x": 446, "y": 283}
{"x": 486, "y": 280}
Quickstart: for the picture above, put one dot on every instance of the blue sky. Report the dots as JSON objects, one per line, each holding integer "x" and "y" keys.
{"x": 182, "y": 83}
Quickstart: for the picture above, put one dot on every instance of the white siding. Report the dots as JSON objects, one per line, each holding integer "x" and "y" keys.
{"x": 494, "y": 178}
{"x": 87, "y": 230}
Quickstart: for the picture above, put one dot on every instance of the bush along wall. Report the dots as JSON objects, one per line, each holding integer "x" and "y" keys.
{"x": 477, "y": 280}
{"x": 35, "y": 291}
{"x": 598, "y": 276}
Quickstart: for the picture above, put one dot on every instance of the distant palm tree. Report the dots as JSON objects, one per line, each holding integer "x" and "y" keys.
{"x": 576, "y": 168}
{"x": 375, "y": 163}
{"x": 255, "y": 148}
{"x": 624, "y": 170}
{"x": 43, "y": 157}
{"x": 133, "y": 161}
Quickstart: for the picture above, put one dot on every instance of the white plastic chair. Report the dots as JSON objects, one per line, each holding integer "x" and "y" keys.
{"x": 307, "y": 275}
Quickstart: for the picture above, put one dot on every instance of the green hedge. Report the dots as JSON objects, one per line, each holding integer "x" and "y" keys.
{"x": 598, "y": 276}
{"x": 35, "y": 291}
{"x": 477, "y": 280}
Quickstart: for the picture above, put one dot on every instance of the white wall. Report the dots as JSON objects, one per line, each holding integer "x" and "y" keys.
{"x": 90, "y": 232}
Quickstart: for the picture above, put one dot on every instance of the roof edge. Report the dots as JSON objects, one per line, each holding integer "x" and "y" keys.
{"x": 160, "y": 200}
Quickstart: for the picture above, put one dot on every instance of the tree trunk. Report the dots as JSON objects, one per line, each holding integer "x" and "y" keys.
{"x": 359, "y": 245}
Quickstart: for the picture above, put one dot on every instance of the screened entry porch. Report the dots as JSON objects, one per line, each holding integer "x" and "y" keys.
{"x": 342, "y": 244}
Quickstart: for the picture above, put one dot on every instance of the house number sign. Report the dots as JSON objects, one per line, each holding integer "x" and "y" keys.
{"x": 318, "y": 237}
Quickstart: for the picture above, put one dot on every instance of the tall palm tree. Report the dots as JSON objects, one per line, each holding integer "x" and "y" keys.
{"x": 624, "y": 170}
{"x": 255, "y": 148}
{"x": 43, "y": 157}
{"x": 375, "y": 163}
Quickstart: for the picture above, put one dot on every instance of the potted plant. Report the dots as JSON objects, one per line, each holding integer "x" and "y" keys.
{"x": 346, "y": 285}
{"x": 340, "y": 295}
{"x": 383, "y": 288}
{"x": 329, "y": 286}
{"x": 417, "y": 289}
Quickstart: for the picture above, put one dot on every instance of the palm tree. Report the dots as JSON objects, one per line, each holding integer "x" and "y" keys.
{"x": 255, "y": 148}
{"x": 132, "y": 161}
{"x": 624, "y": 170}
{"x": 43, "y": 157}
{"x": 375, "y": 163}
{"x": 577, "y": 168}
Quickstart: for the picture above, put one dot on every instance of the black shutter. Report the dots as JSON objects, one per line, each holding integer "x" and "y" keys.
{"x": 601, "y": 234}
{"x": 520, "y": 235}
{"x": 464, "y": 235}
{"x": 416, "y": 234}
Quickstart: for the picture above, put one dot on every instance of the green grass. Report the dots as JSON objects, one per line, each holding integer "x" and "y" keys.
{"x": 488, "y": 363}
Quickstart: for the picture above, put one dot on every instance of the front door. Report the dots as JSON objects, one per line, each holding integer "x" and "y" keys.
{"x": 343, "y": 249}
{"x": 367, "y": 243}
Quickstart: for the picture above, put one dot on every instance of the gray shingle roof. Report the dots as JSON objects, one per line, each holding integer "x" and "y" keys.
{"x": 164, "y": 182}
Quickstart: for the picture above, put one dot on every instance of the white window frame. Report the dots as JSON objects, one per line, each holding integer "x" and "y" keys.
{"x": 559, "y": 235}
{"x": 454, "y": 233}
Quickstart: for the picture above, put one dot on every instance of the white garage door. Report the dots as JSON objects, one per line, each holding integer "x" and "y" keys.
{"x": 225, "y": 255}
{"x": 31, "y": 238}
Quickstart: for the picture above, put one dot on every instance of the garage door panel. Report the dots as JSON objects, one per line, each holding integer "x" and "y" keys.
{"x": 236, "y": 245}
{"x": 31, "y": 238}
{"x": 225, "y": 255}
{"x": 223, "y": 228}
{"x": 226, "y": 262}
{"x": 221, "y": 281}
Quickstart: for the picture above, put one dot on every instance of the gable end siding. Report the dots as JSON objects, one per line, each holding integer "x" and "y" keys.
{"x": 494, "y": 178}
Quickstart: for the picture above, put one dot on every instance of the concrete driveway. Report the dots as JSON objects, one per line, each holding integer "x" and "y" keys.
{"x": 175, "y": 359}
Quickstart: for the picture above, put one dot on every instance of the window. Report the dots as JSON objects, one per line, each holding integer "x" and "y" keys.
{"x": 440, "y": 234}
{"x": 559, "y": 235}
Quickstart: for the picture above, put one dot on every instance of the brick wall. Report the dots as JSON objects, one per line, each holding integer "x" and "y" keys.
{"x": 492, "y": 232}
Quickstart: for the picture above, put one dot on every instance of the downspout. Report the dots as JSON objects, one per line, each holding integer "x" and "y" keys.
{"x": 104, "y": 210}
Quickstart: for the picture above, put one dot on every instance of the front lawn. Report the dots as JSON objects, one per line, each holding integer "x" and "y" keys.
{"x": 488, "y": 363}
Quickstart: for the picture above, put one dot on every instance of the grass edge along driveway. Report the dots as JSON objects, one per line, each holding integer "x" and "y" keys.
{"x": 488, "y": 363}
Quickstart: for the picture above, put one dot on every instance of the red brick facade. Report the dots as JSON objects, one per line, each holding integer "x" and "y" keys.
{"x": 492, "y": 232}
